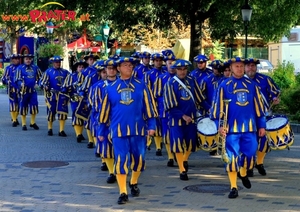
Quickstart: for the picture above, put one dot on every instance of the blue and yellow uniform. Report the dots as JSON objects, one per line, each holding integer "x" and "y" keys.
{"x": 182, "y": 96}
{"x": 8, "y": 79}
{"x": 149, "y": 79}
{"x": 198, "y": 73}
{"x": 245, "y": 116}
{"x": 27, "y": 78}
{"x": 52, "y": 81}
{"x": 140, "y": 70}
{"x": 269, "y": 91}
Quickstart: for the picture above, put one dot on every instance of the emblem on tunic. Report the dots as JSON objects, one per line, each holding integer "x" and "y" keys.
{"x": 126, "y": 96}
{"x": 184, "y": 94}
{"x": 242, "y": 97}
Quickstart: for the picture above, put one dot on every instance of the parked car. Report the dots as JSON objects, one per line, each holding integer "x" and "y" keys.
{"x": 265, "y": 66}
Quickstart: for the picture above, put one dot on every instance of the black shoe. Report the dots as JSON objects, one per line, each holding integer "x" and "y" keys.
{"x": 183, "y": 176}
{"x": 111, "y": 178}
{"x": 97, "y": 155}
{"x": 81, "y": 137}
{"x": 135, "y": 191}
{"x": 213, "y": 153}
{"x": 17, "y": 122}
{"x": 186, "y": 166}
{"x": 90, "y": 145}
{"x": 34, "y": 126}
{"x": 170, "y": 163}
{"x": 245, "y": 180}
{"x": 78, "y": 139}
{"x": 14, "y": 124}
{"x": 50, "y": 132}
{"x": 24, "y": 128}
{"x": 233, "y": 193}
{"x": 123, "y": 198}
{"x": 158, "y": 152}
{"x": 62, "y": 134}
{"x": 261, "y": 169}
{"x": 104, "y": 167}
{"x": 250, "y": 173}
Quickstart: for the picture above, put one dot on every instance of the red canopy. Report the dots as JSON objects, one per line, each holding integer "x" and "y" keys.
{"x": 81, "y": 43}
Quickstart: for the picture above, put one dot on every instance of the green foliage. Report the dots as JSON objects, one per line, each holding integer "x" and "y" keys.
{"x": 1, "y": 72}
{"x": 284, "y": 76}
{"x": 50, "y": 49}
{"x": 217, "y": 50}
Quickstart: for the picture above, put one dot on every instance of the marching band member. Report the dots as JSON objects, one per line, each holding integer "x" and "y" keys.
{"x": 201, "y": 71}
{"x": 144, "y": 67}
{"x": 104, "y": 145}
{"x": 163, "y": 115}
{"x": 124, "y": 99}
{"x": 70, "y": 87}
{"x": 27, "y": 78}
{"x": 52, "y": 82}
{"x": 182, "y": 96}
{"x": 149, "y": 79}
{"x": 90, "y": 59}
{"x": 271, "y": 92}
{"x": 8, "y": 79}
{"x": 239, "y": 104}
{"x": 92, "y": 78}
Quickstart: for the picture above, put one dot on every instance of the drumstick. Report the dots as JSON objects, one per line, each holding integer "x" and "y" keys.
{"x": 273, "y": 102}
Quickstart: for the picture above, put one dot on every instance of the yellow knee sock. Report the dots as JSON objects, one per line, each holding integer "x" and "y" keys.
{"x": 89, "y": 134}
{"x": 77, "y": 129}
{"x": 233, "y": 179}
{"x": 121, "y": 178}
{"x": 81, "y": 129}
{"x": 179, "y": 157}
{"x": 243, "y": 171}
{"x": 12, "y": 114}
{"x": 170, "y": 154}
{"x": 134, "y": 177}
{"x": 95, "y": 140}
{"x": 110, "y": 165}
{"x": 32, "y": 118}
{"x": 62, "y": 125}
{"x": 260, "y": 157}
{"x": 186, "y": 155}
{"x": 149, "y": 141}
{"x": 50, "y": 125}
{"x": 102, "y": 160}
{"x": 23, "y": 118}
{"x": 158, "y": 141}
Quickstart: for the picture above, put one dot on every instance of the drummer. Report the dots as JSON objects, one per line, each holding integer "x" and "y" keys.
{"x": 270, "y": 92}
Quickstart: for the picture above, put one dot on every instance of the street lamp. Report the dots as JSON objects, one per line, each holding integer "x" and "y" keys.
{"x": 50, "y": 28}
{"x": 105, "y": 31}
{"x": 246, "y": 14}
{"x": 35, "y": 38}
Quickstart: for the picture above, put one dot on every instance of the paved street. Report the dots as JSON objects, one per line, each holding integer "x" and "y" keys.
{"x": 81, "y": 185}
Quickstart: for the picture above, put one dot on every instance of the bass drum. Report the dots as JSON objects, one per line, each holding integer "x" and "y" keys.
{"x": 279, "y": 132}
{"x": 207, "y": 134}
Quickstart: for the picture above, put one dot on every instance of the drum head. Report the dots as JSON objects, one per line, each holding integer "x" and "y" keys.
{"x": 207, "y": 127}
{"x": 276, "y": 123}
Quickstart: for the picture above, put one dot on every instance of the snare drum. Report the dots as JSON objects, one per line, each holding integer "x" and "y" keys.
{"x": 207, "y": 133}
{"x": 279, "y": 132}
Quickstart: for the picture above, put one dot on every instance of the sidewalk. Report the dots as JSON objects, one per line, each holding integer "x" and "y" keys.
{"x": 81, "y": 186}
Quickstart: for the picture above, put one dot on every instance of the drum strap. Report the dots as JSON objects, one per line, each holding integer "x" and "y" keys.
{"x": 184, "y": 87}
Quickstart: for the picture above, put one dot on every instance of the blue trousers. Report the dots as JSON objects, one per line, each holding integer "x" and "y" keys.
{"x": 29, "y": 100}
{"x": 183, "y": 138}
{"x": 241, "y": 148}
{"x": 129, "y": 151}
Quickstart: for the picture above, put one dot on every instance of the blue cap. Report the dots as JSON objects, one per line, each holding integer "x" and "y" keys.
{"x": 200, "y": 58}
{"x": 28, "y": 55}
{"x": 91, "y": 55}
{"x": 157, "y": 56}
{"x": 135, "y": 55}
{"x": 216, "y": 64}
{"x": 114, "y": 57}
{"x": 170, "y": 57}
{"x": 252, "y": 60}
{"x": 99, "y": 65}
{"x": 127, "y": 59}
{"x": 168, "y": 52}
{"x": 15, "y": 56}
{"x": 80, "y": 62}
{"x": 145, "y": 55}
{"x": 110, "y": 62}
{"x": 235, "y": 60}
{"x": 55, "y": 58}
{"x": 181, "y": 63}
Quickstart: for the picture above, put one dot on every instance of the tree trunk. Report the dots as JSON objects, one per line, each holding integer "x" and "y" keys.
{"x": 63, "y": 42}
{"x": 195, "y": 45}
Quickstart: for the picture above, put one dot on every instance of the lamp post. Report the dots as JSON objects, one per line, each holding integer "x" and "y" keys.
{"x": 246, "y": 14}
{"x": 105, "y": 31}
{"x": 35, "y": 37}
{"x": 50, "y": 29}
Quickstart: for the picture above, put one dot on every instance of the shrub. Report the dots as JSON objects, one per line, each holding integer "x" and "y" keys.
{"x": 50, "y": 49}
{"x": 284, "y": 75}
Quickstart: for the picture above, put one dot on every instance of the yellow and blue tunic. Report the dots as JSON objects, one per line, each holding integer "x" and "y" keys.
{"x": 199, "y": 74}
{"x": 140, "y": 70}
